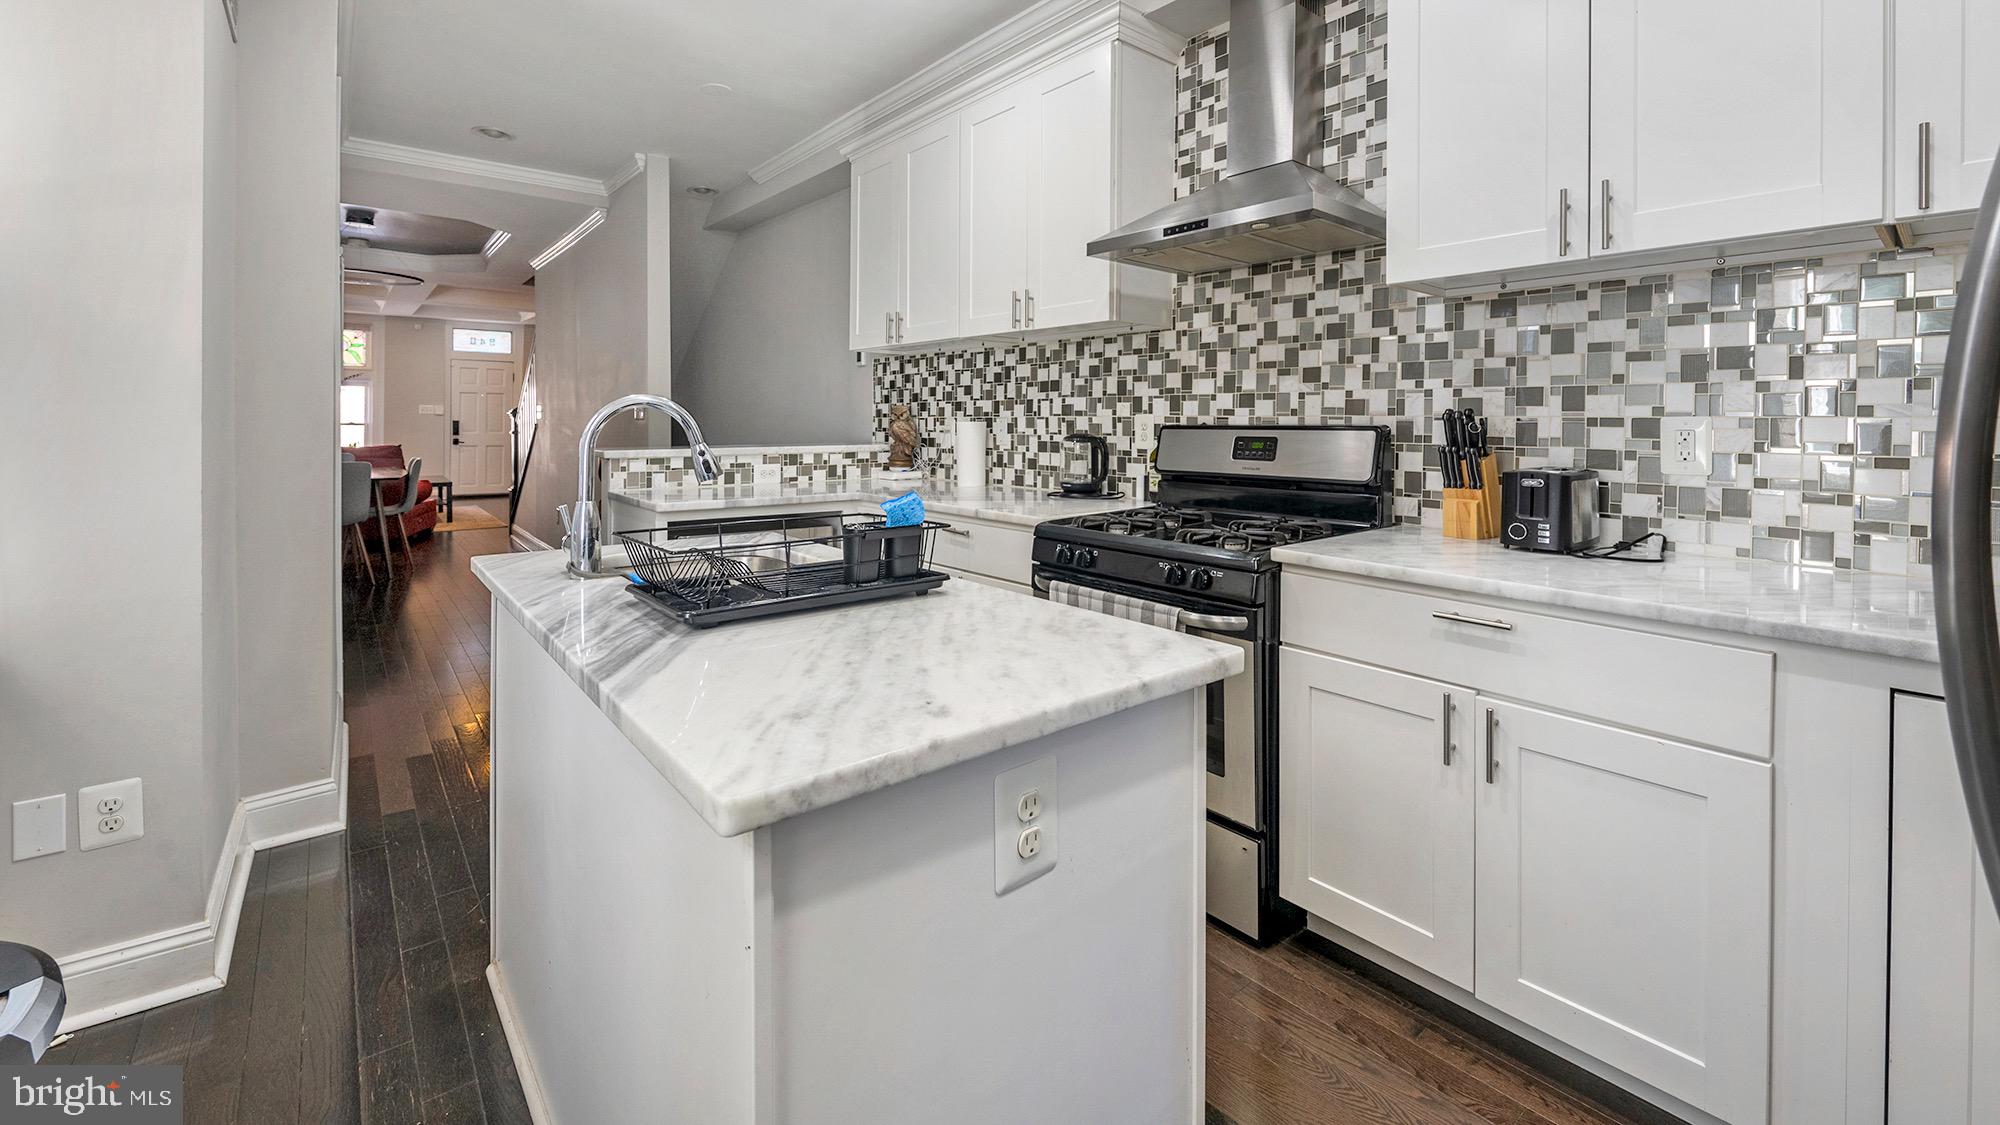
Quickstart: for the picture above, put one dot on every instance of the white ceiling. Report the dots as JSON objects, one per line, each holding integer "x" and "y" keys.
{"x": 584, "y": 84}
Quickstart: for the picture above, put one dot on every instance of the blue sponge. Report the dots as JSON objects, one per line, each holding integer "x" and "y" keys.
{"x": 904, "y": 510}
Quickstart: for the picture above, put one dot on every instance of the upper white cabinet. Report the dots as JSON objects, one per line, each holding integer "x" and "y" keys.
{"x": 1535, "y": 140}
{"x": 1944, "y": 936}
{"x": 1947, "y": 104}
{"x": 1625, "y": 901}
{"x": 1489, "y": 135}
{"x": 875, "y": 248}
{"x": 997, "y": 189}
{"x": 1690, "y": 145}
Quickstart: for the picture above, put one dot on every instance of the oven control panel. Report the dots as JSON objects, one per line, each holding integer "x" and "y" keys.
{"x": 1254, "y": 447}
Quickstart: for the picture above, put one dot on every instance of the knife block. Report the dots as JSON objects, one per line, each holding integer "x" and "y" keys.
{"x": 1474, "y": 513}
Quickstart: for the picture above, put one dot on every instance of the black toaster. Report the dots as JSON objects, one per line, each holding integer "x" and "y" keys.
{"x": 1548, "y": 509}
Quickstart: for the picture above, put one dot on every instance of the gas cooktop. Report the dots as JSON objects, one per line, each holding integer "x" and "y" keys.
{"x": 1220, "y": 529}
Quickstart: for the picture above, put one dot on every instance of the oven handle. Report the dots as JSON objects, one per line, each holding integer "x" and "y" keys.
{"x": 1213, "y": 622}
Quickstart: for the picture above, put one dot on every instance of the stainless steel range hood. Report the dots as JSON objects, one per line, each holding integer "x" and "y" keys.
{"x": 1278, "y": 205}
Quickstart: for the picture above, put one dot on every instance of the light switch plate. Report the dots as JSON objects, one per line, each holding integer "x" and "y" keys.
{"x": 1013, "y": 836}
{"x": 39, "y": 826}
{"x": 112, "y": 813}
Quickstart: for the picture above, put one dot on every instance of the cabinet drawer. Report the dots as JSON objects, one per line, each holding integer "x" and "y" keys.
{"x": 979, "y": 548}
{"x": 1708, "y": 693}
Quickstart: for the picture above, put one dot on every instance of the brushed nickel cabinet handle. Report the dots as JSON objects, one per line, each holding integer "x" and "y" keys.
{"x": 1604, "y": 212}
{"x": 1030, "y": 322}
{"x": 1017, "y": 308}
{"x": 899, "y": 328}
{"x": 1562, "y": 224}
{"x": 1491, "y": 763}
{"x": 1923, "y": 165}
{"x": 888, "y": 328}
{"x": 1462, "y": 619}
{"x": 1444, "y": 720}
{"x": 956, "y": 531}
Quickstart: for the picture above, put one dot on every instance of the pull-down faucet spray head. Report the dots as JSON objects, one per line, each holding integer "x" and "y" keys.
{"x": 584, "y": 521}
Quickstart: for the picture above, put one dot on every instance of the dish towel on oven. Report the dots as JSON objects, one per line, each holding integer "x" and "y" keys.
{"x": 1117, "y": 605}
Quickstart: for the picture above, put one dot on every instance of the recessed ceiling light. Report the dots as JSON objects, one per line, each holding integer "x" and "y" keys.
{"x": 492, "y": 134}
{"x": 717, "y": 89}
{"x": 701, "y": 191}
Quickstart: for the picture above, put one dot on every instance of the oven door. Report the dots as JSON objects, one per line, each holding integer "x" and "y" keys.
{"x": 1231, "y": 734}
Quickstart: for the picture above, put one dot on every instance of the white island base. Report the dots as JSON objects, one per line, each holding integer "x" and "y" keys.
{"x": 853, "y": 963}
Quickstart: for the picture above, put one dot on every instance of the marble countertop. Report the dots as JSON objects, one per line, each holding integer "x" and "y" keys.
{"x": 758, "y": 721}
{"x": 1891, "y": 615}
{"x": 1001, "y": 503}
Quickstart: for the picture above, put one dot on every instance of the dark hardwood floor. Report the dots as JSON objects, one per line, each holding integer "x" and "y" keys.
{"x": 357, "y": 991}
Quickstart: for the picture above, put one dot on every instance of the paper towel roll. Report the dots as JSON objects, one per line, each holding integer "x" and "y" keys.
{"x": 969, "y": 450}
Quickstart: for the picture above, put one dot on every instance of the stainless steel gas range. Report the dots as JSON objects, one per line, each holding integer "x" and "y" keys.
{"x": 1227, "y": 495}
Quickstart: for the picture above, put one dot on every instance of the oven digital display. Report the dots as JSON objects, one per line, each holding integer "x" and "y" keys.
{"x": 1255, "y": 449}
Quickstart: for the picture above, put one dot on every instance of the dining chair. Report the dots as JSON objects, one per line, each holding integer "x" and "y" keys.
{"x": 403, "y": 507}
{"x": 357, "y": 503}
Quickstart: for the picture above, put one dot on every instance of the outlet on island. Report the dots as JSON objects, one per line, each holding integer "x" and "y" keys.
{"x": 1024, "y": 824}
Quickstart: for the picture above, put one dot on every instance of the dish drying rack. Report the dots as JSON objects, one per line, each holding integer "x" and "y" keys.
{"x": 714, "y": 572}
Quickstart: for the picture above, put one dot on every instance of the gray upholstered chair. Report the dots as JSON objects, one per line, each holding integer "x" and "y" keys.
{"x": 357, "y": 503}
{"x": 403, "y": 507}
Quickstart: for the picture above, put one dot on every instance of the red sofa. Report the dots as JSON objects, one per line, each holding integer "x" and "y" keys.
{"x": 421, "y": 518}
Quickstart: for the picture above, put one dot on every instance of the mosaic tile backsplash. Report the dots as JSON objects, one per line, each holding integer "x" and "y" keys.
{"x": 1819, "y": 373}
{"x": 671, "y": 468}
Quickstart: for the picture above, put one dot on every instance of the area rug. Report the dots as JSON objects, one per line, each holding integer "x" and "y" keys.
{"x": 469, "y": 517}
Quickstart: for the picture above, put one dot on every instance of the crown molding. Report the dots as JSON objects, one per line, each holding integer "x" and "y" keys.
{"x": 403, "y": 158}
{"x": 624, "y": 175}
{"x": 1022, "y": 43}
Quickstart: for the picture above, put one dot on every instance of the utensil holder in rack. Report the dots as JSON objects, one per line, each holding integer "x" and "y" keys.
{"x": 1474, "y": 513}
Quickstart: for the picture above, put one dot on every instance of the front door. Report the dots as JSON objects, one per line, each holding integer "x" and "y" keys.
{"x": 479, "y": 449}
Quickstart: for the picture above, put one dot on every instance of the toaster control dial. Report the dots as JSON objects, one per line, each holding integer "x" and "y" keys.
{"x": 1202, "y": 579}
{"x": 1518, "y": 532}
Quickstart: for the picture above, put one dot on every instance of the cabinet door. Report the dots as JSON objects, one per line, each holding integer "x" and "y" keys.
{"x": 1625, "y": 902}
{"x": 994, "y": 230}
{"x": 1946, "y": 77}
{"x": 1376, "y": 782}
{"x": 1491, "y": 136}
{"x": 1069, "y": 191}
{"x": 875, "y": 247}
{"x": 930, "y": 234}
{"x": 1944, "y": 937}
{"x": 1693, "y": 146}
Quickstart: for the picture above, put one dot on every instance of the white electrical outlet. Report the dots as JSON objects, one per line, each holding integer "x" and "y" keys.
{"x": 41, "y": 826}
{"x": 765, "y": 476}
{"x": 112, "y": 813}
{"x": 1024, "y": 824}
{"x": 1686, "y": 445}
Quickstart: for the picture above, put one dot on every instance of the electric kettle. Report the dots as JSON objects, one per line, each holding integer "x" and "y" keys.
{"x": 1085, "y": 472}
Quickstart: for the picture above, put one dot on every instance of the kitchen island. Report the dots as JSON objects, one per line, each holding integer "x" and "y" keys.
{"x": 774, "y": 871}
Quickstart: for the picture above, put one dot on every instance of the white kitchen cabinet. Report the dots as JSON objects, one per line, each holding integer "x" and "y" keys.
{"x": 930, "y": 242}
{"x": 1947, "y": 104}
{"x": 994, "y": 235}
{"x": 1624, "y": 891}
{"x": 1490, "y": 139}
{"x": 1944, "y": 936}
{"x": 1688, "y": 145}
{"x": 1375, "y": 817}
{"x": 904, "y": 243}
{"x": 1072, "y": 170}
{"x": 879, "y": 197}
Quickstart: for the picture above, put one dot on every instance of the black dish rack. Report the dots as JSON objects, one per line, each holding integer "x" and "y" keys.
{"x": 711, "y": 573}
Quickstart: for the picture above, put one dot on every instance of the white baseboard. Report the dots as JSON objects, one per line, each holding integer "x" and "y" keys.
{"x": 524, "y": 1063}
{"x": 131, "y": 976}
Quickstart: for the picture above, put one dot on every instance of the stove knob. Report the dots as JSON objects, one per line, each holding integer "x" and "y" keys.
{"x": 1086, "y": 558}
{"x": 1065, "y": 555}
{"x": 1203, "y": 579}
{"x": 1177, "y": 575}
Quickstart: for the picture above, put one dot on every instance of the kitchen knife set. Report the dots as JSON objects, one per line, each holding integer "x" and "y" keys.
{"x": 1471, "y": 478}
{"x": 1464, "y": 452}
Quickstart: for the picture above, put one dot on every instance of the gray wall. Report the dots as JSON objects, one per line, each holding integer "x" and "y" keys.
{"x": 597, "y": 311}
{"x": 768, "y": 362}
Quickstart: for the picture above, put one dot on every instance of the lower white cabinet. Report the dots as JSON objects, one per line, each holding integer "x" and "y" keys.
{"x": 1944, "y": 937}
{"x": 1376, "y": 815}
{"x": 1624, "y": 895}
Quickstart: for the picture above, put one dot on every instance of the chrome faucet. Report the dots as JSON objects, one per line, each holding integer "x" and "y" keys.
{"x": 584, "y": 521}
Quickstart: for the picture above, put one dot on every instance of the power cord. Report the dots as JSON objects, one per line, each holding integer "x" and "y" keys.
{"x": 1617, "y": 552}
